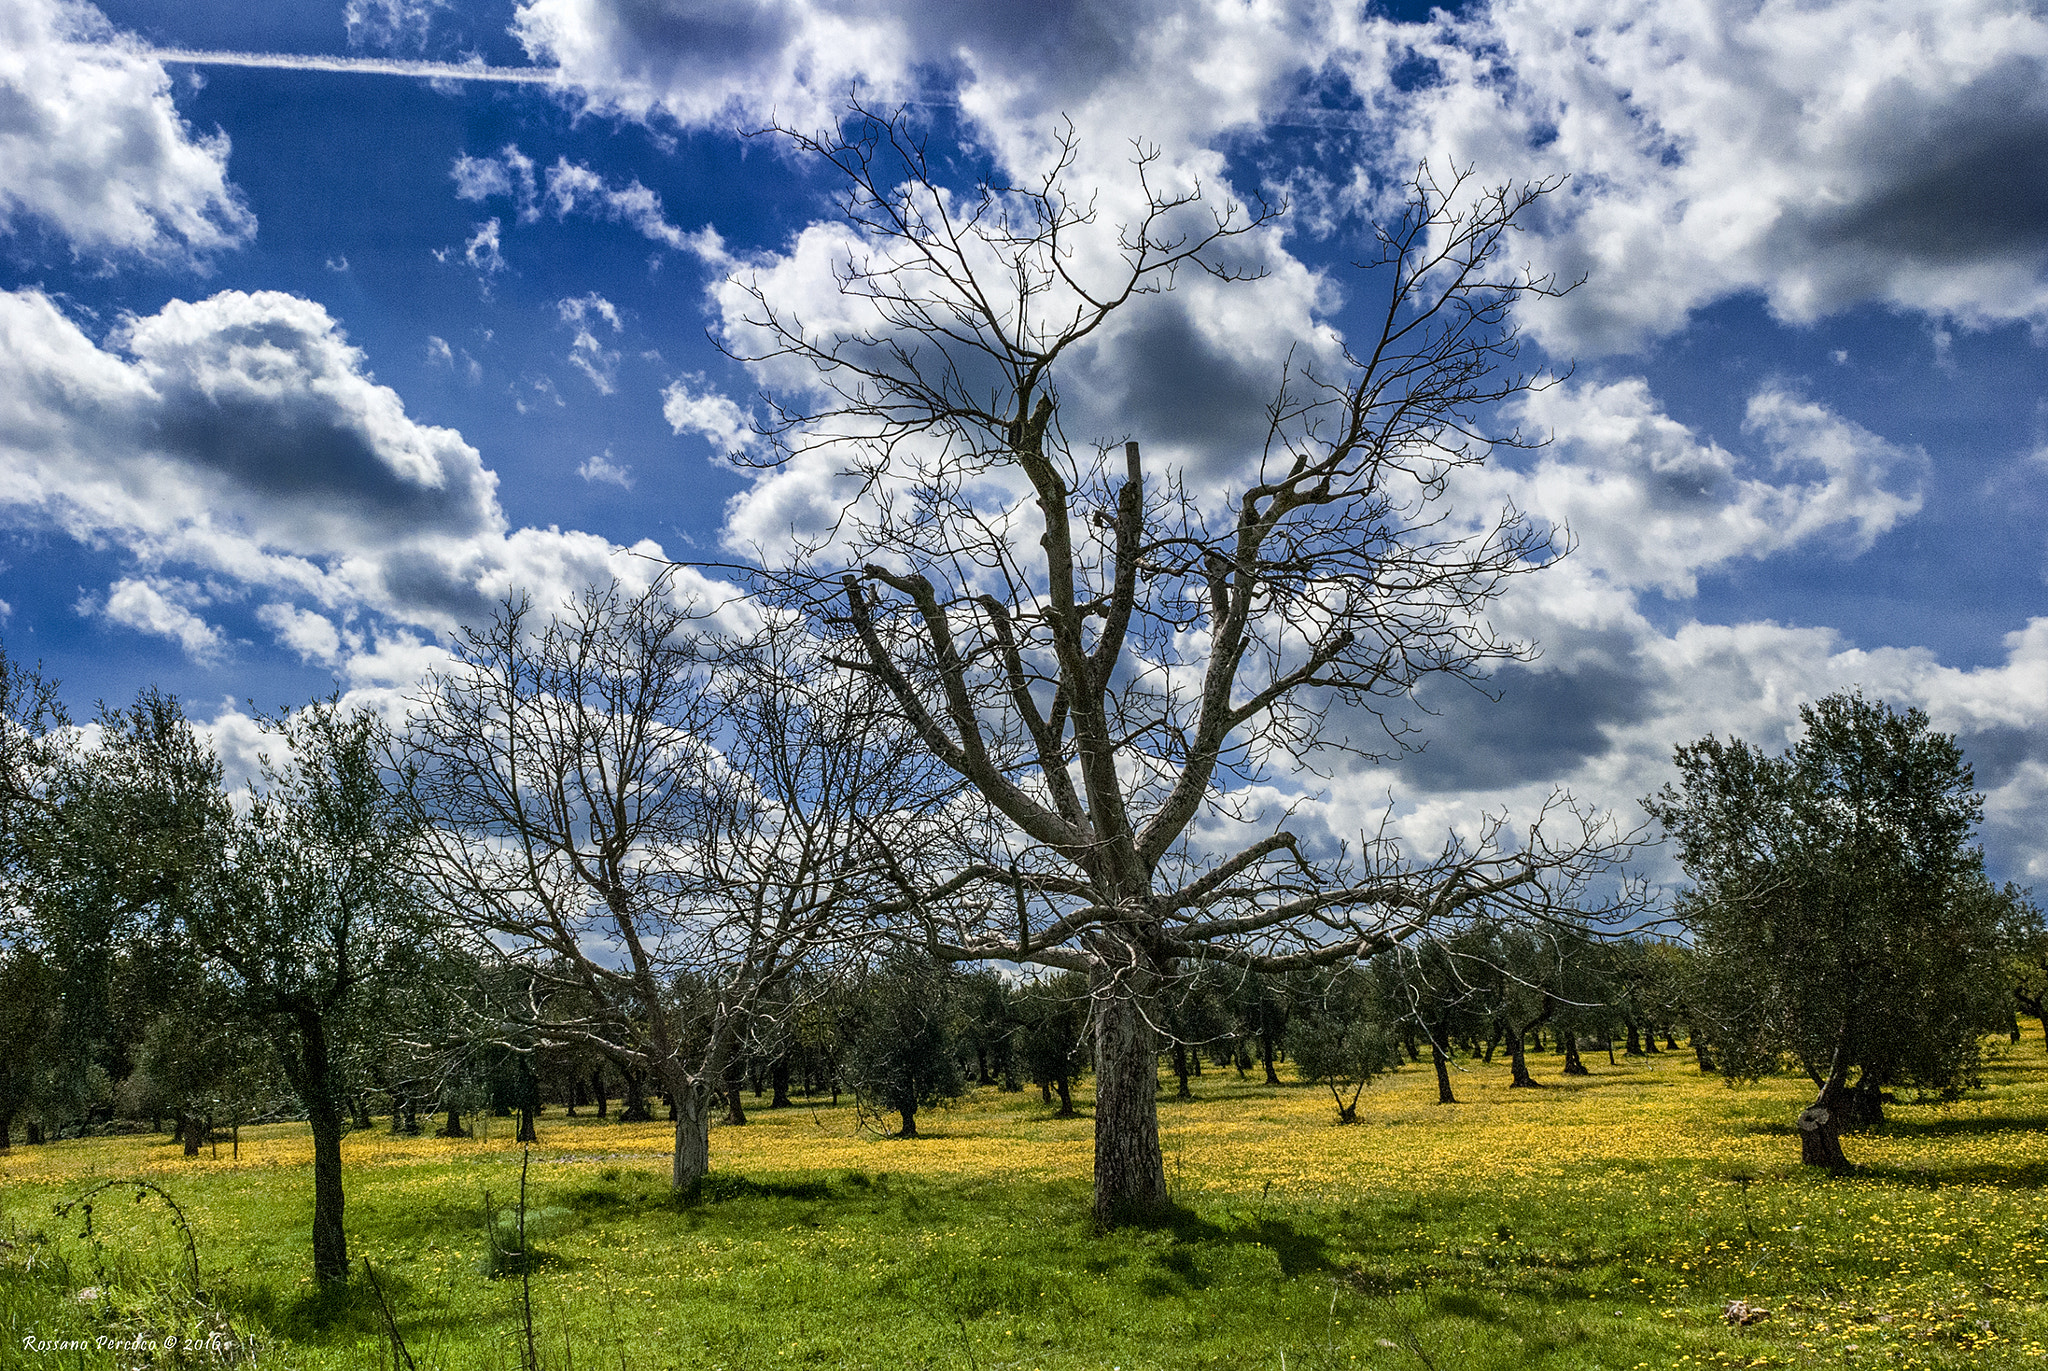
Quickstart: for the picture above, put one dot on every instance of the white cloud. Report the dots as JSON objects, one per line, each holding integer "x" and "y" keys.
{"x": 313, "y": 636}
{"x": 1820, "y": 154}
{"x": 479, "y": 178}
{"x": 93, "y": 149}
{"x": 160, "y": 607}
{"x": 1651, "y": 505}
{"x": 603, "y": 468}
{"x": 705, "y": 412}
{"x": 576, "y": 309}
{"x": 390, "y": 23}
{"x": 481, "y": 251}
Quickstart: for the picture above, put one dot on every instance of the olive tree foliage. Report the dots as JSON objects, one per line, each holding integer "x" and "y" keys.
{"x": 658, "y": 824}
{"x": 1110, "y": 653}
{"x": 310, "y": 912}
{"x": 2026, "y": 952}
{"x": 1839, "y": 908}
{"x": 1337, "y": 1039}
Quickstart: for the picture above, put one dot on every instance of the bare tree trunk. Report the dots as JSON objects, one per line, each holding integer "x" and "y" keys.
{"x": 189, "y": 1122}
{"x": 1266, "y": 1052}
{"x": 779, "y": 1076}
{"x": 1066, "y": 1109}
{"x": 453, "y": 1128}
{"x": 1130, "y": 1170}
{"x": 7, "y": 1131}
{"x": 1180, "y": 1072}
{"x": 693, "y": 1136}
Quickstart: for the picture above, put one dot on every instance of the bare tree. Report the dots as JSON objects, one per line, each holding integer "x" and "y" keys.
{"x": 1110, "y": 657}
{"x": 659, "y": 825}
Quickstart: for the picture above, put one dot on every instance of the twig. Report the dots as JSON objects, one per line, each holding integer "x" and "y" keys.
{"x": 399, "y": 1351}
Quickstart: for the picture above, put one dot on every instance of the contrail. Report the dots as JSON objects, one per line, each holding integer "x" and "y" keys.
{"x": 374, "y": 66}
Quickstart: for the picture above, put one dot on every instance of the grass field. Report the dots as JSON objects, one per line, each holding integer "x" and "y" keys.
{"x": 1605, "y": 1222}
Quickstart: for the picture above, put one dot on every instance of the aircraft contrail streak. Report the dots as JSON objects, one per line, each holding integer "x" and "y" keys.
{"x": 375, "y": 66}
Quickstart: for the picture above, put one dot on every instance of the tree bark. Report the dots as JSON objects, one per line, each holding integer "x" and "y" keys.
{"x": 1066, "y": 1109}
{"x": 636, "y": 1110}
{"x": 32, "y": 1133}
{"x": 778, "y": 1075}
{"x": 1820, "y": 1127}
{"x": 735, "y": 1082}
{"x": 1518, "y": 1063}
{"x": 7, "y": 1131}
{"x": 188, "y": 1123}
{"x": 1180, "y": 1072}
{"x": 453, "y": 1128}
{"x": 1635, "y": 1041}
{"x": 693, "y": 1136}
{"x": 1572, "y": 1065}
{"x": 597, "y": 1088}
{"x": 1443, "y": 1072}
{"x": 330, "y": 1241}
{"x": 1266, "y": 1053}
{"x": 1130, "y": 1170}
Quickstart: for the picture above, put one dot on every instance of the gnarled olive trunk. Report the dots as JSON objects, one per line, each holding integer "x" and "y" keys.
{"x": 1573, "y": 1066}
{"x": 1518, "y": 1063}
{"x": 1130, "y": 1170}
{"x": 1443, "y": 1072}
{"x": 1820, "y": 1126}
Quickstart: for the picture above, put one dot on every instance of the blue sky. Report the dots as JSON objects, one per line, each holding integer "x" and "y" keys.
{"x": 309, "y": 366}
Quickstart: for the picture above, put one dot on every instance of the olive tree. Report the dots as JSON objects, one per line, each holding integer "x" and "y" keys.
{"x": 1837, "y": 908}
{"x": 1111, "y": 652}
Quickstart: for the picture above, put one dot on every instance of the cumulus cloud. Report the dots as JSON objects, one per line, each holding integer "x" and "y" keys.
{"x": 692, "y": 405}
{"x": 311, "y": 635}
{"x": 93, "y": 149}
{"x": 242, "y": 436}
{"x": 1821, "y": 155}
{"x": 1651, "y": 505}
{"x": 162, "y": 608}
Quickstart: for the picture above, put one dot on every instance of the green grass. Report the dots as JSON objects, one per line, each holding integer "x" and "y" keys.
{"x": 1601, "y": 1223}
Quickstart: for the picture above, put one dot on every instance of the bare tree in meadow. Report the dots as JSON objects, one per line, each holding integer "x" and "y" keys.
{"x": 1109, "y": 653}
{"x": 660, "y": 825}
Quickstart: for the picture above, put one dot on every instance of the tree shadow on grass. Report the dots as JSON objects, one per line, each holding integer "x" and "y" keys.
{"x": 1298, "y": 1251}
{"x": 1960, "y": 1128}
{"x": 1998, "y": 1175}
